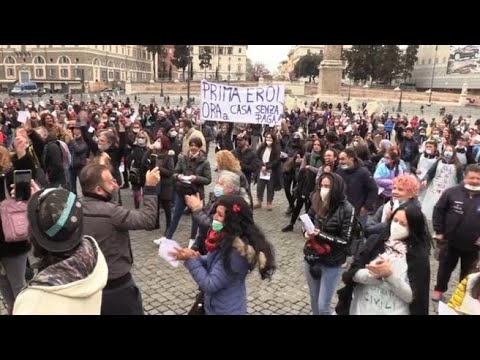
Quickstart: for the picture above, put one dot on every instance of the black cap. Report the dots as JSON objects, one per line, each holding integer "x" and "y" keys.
{"x": 56, "y": 219}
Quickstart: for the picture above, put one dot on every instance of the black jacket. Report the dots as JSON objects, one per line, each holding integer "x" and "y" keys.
{"x": 248, "y": 161}
{"x": 361, "y": 187}
{"x": 335, "y": 227}
{"x": 456, "y": 216}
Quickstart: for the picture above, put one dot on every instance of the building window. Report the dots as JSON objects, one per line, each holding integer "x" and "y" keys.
{"x": 230, "y": 51}
{"x": 51, "y": 73}
{"x": 10, "y": 72}
{"x": 220, "y": 50}
{"x": 9, "y": 60}
{"x": 228, "y": 67}
{"x": 64, "y": 73}
{"x": 239, "y": 51}
{"x": 63, "y": 60}
{"x": 110, "y": 75}
{"x": 39, "y": 73}
{"x": 39, "y": 60}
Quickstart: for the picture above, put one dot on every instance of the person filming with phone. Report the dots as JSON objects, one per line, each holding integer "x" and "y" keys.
{"x": 13, "y": 251}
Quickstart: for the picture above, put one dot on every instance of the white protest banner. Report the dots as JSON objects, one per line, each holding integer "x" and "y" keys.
{"x": 253, "y": 105}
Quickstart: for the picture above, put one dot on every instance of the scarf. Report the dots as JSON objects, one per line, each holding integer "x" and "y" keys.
{"x": 395, "y": 248}
{"x": 212, "y": 240}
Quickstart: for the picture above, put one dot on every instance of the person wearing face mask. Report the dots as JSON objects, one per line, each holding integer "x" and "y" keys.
{"x": 109, "y": 224}
{"x": 136, "y": 167}
{"x": 391, "y": 276}
{"x": 405, "y": 190}
{"x": 457, "y": 229}
{"x": 270, "y": 173}
{"x": 165, "y": 163}
{"x": 435, "y": 136}
{"x": 235, "y": 246}
{"x": 224, "y": 138}
{"x": 386, "y": 172}
{"x": 110, "y": 143}
{"x": 79, "y": 151}
{"x": 464, "y": 152}
{"x": 327, "y": 245}
{"x": 445, "y": 173}
{"x": 175, "y": 140}
{"x": 425, "y": 160}
{"x": 361, "y": 187}
{"x": 228, "y": 183}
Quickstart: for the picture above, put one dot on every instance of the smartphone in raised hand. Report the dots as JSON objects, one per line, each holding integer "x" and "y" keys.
{"x": 21, "y": 180}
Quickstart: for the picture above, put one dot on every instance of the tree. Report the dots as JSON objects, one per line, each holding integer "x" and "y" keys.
{"x": 308, "y": 66}
{"x": 260, "y": 70}
{"x": 408, "y": 61}
{"x": 390, "y": 66}
{"x": 181, "y": 57}
{"x": 205, "y": 59}
{"x": 362, "y": 62}
{"x": 250, "y": 76}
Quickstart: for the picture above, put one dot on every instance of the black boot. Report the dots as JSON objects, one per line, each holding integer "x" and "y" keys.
{"x": 288, "y": 228}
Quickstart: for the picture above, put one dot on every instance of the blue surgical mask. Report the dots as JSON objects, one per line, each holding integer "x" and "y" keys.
{"x": 218, "y": 191}
{"x": 448, "y": 154}
{"x": 141, "y": 142}
{"x": 217, "y": 226}
{"x": 344, "y": 166}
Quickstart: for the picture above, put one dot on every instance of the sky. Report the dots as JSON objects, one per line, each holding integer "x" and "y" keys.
{"x": 270, "y": 55}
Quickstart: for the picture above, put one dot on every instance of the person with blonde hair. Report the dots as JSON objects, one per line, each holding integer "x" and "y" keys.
{"x": 227, "y": 161}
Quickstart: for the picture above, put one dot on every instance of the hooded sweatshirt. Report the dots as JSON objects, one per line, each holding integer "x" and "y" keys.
{"x": 72, "y": 286}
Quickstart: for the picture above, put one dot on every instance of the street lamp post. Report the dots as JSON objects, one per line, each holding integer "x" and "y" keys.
{"x": 188, "y": 76}
{"x": 399, "y": 107}
{"x": 433, "y": 75}
{"x": 349, "y": 86}
{"x": 161, "y": 79}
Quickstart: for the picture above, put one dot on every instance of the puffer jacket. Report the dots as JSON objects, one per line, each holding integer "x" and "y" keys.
{"x": 335, "y": 228}
{"x": 225, "y": 292}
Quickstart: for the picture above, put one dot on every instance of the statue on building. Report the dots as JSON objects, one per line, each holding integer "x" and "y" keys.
{"x": 465, "y": 89}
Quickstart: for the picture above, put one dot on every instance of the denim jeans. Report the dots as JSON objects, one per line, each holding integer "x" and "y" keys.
{"x": 323, "y": 289}
{"x": 177, "y": 214}
{"x": 13, "y": 281}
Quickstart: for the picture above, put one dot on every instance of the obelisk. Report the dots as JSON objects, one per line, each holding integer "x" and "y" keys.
{"x": 330, "y": 77}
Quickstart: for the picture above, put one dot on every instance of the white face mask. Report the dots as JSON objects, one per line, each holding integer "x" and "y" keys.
{"x": 324, "y": 193}
{"x": 269, "y": 142}
{"x": 135, "y": 130}
{"x": 472, "y": 187}
{"x": 397, "y": 231}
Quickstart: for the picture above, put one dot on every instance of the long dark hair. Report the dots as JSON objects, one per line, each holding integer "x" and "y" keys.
{"x": 239, "y": 223}
{"x": 416, "y": 224}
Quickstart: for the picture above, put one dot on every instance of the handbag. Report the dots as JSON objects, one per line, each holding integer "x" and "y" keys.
{"x": 13, "y": 214}
{"x": 197, "y": 308}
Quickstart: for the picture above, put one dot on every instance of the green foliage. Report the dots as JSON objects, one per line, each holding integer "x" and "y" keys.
{"x": 408, "y": 61}
{"x": 249, "y": 70}
{"x": 181, "y": 57}
{"x": 308, "y": 66}
{"x": 205, "y": 58}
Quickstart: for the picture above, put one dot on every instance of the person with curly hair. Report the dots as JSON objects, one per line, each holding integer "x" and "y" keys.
{"x": 235, "y": 246}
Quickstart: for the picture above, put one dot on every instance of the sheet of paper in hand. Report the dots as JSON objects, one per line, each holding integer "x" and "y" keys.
{"x": 307, "y": 223}
{"x": 167, "y": 246}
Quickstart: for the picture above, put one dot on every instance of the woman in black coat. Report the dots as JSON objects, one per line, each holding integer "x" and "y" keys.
{"x": 165, "y": 160}
{"x": 391, "y": 275}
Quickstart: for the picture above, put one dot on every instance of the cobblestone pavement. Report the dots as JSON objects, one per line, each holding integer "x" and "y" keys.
{"x": 167, "y": 290}
{"x": 170, "y": 291}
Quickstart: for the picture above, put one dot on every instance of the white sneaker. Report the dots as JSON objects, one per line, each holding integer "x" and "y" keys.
{"x": 190, "y": 243}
